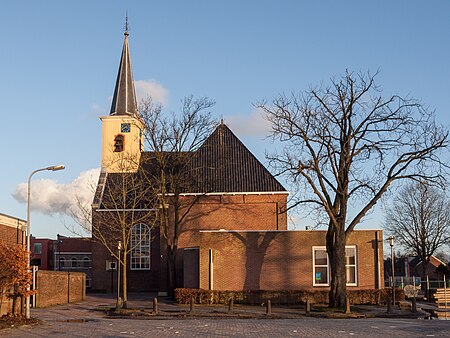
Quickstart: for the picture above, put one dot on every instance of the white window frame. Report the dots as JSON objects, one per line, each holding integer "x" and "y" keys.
{"x": 348, "y": 265}
{"x": 321, "y": 248}
{"x": 324, "y": 248}
{"x": 137, "y": 261}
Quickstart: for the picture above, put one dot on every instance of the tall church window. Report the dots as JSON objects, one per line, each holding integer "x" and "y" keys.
{"x": 140, "y": 244}
{"x": 118, "y": 143}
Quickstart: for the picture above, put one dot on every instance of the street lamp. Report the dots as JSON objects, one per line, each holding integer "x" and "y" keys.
{"x": 52, "y": 168}
{"x": 391, "y": 243}
{"x": 119, "y": 301}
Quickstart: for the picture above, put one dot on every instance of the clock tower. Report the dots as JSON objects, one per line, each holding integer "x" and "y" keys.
{"x": 122, "y": 130}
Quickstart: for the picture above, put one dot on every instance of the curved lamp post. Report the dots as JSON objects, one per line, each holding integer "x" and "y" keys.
{"x": 52, "y": 168}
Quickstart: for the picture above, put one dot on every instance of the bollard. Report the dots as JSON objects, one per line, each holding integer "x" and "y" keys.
{"x": 347, "y": 306}
{"x": 269, "y": 308}
{"x": 308, "y": 306}
{"x": 231, "y": 305}
{"x": 191, "y": 305}
{"x": 155, "y": 305}
{"x": 414, "y": 305}
{"x": 389, "y": 304}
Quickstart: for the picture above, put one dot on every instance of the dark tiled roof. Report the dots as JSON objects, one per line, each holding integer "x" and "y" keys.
{"x": 221, "y": 165}
{"x": 224, "y": 164}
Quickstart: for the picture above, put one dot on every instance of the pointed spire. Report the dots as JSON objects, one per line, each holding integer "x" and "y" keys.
{"x": 124, "y": 98}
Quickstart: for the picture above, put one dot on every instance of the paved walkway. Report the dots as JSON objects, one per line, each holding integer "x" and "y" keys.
{"x": 84, "y": 320}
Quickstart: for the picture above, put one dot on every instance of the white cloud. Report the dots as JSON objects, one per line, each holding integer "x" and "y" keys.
{"x": 50, "y": 197}
{"x": 151, "y": 88}
{"x": 253, "y": 124}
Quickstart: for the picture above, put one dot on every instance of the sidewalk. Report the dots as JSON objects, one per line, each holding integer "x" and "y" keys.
{"x": 140, "y": 306}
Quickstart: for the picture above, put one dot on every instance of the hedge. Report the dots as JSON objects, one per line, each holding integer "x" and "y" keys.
{"x": 370, "y": 296}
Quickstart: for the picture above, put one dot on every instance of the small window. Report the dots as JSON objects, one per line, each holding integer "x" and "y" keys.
{"x": 112, "y": 265}
{"x": 320, "y": 266}
{"x": 62, "y": 262}
{"x": 86, "y": 262}
{"x": 74, "y": 262}
{"x": 118, "y": 143}
{"x": 37, "y": 248}
{"x": 350, "y": 265}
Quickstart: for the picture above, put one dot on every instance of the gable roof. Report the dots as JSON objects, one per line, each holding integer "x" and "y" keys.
{"x": 223, "y": 164}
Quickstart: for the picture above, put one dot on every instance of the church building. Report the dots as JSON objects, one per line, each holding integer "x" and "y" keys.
{"x": 235, "y": 235}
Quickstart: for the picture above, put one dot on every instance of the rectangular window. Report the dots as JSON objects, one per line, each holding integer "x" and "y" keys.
{"x": 321, "y": 266}
{"x": 37, "y": 248}
{"x": 350, "y": 265}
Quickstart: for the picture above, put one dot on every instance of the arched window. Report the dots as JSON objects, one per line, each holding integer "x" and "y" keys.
{"x": 140, "y": 247}
{"x": 62, "y": 261}
{"x": 74, "y": 262}
{"x": 118, "y": 143}
{"x": 86, "y": 262}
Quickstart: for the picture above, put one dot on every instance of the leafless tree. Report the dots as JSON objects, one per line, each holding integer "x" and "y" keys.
{"x": 347, "y": 144}
{"x": 419, "y": 217}
{"x": 126, "y": 201}
{"x": 172, "y": 141}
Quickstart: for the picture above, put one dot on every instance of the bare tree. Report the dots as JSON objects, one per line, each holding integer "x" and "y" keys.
{"x": 346, "y": 144}
{"x": 172, "y": 142}
{"x": 419, "y": 217}
{"x": 126, "y": 201}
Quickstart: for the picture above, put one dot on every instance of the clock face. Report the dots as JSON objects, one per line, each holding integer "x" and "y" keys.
{"x": 125, "y": 127}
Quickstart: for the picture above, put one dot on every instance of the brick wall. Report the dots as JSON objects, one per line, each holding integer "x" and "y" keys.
{"x": 104, "y": 280}
{"x": 58, "y": 287}
{"x": 280, "y": 260}
{"x": 12, "y": 230}
{"x": 229, "y": 212}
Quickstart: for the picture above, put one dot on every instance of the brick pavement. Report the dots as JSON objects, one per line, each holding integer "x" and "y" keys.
{"x": 82, "y": 320}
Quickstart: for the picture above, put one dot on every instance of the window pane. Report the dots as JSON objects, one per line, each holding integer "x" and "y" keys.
{"x": 37, "y": 248}
{"x": 350, "y": 255}
{"x": 320, "y": 257}
{"x": 321, "y": 275}
{"x": 351, "y": 274}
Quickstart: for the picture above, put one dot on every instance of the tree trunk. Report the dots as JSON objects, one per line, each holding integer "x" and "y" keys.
{"x": 336, "y": 254}
{"x": 171, "y": 269}
{"x": 124, "y": 281}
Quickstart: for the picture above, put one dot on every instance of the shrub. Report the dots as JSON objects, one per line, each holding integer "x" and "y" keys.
{"x": 370, "y": 296}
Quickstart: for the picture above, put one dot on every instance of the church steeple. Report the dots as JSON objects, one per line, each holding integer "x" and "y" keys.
{"x": 124, "y": 99}
{"x": 122, "y": 129}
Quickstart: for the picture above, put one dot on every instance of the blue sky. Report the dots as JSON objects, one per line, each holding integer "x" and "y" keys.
{"x": 59, "y": 61}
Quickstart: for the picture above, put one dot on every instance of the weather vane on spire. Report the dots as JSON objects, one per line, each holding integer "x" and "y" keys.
{"x": 126, "y": 23}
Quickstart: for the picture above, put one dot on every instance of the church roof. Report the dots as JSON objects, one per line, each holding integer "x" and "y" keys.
{"x": 224, "y": 164}
{"x": 124, "y": 98}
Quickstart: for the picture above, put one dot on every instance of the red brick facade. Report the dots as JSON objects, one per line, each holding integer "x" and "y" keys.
{"x": 12, "y": 229}
{"x": 279, "y": 260}
{"x": 42, "y": 253}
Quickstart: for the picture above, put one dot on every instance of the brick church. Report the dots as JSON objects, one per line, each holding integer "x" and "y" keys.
{"x": 235, "y": 236}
